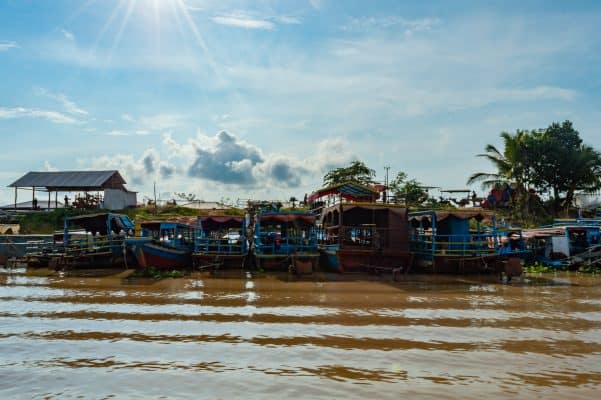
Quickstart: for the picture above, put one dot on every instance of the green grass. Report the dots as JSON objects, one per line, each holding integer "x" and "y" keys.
{"x": 49, "y": 222}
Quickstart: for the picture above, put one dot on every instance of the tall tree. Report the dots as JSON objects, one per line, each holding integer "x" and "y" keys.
{"x": 356, "y": 172}
{"x": 408, "y": 192}
{"x": 512, "y": 164}
{"x": 564, "y": 164}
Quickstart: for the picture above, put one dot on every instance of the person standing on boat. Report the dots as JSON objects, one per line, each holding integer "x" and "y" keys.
{"x": 377, "y": 242}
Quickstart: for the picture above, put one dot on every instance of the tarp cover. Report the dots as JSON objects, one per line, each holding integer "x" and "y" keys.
{"x": 97, "y": 223}
{"x": 221, "y": 222}
{"x": 221, "y": 219}
{"x": 442, "y": 215}
{"x": 284, "y": 218}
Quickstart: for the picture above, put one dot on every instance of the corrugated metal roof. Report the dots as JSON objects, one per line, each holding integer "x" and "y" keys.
{"x": 67, "y": 179}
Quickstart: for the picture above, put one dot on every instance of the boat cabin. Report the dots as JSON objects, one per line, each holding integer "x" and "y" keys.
{"x": 285, "y": 233}
{"x": 220, "y": 235}
{"x": 453, "y": 234}
{"x": 168, "y": 234}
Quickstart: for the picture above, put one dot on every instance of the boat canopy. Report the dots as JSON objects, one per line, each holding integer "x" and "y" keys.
{"x": 287, "y": 217}
{"x": 347, "y": 190}
{"x": 158, "y": 225}
{"x": 213, "y": 223}
{"x": 442, "y": 215}
{"x": 101, "y": 223}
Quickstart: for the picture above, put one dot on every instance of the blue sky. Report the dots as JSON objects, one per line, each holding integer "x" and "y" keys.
{"x": 259, "y": 98}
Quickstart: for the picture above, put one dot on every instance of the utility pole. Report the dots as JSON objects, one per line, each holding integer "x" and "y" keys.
{"x": 154, "y": 185}
{"x": 386, "y": 167}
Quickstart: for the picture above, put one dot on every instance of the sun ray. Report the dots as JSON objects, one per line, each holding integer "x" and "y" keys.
{"x": 130, "y": 6}
{"x": 200, "y": 41}
{"x": 157, "y": 24}
{"x": 109, "y": 22}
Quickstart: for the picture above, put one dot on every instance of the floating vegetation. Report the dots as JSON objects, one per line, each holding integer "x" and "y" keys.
{"x": 156, "y": 273}
{"x": 539, "y": 268}
{"x": 590, "y": 269}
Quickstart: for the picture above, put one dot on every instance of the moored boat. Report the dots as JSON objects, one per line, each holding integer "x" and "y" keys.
{"x": 286, "y": 240}
{"x": 93, "y": 241}
{"x": 357, "y": 233}
{"x": 220, "y": 242}
{"x": 461, "y": 241}
{"x": 163, "y": 244}
{"x": 566, "y": 242}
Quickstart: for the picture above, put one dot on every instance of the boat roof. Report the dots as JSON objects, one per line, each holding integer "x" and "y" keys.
{"x": 70, "y": 180}
{"x": 164, "y": 224}
{"x": 459, "y": 214}
{"x": 289, "y": 216}
{"x": 347, "y": 190}
{"x": 98, "y": 222}
{"x": 219, "y": 222}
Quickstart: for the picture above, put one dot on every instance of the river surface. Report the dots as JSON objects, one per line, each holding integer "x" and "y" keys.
{"x": 265, "y": 336}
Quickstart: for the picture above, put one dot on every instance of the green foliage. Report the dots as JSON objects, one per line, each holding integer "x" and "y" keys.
{"x": 562, "y": 164}
{"x": 356, "y": 172}
{"x": 511, "y": 164}
{"x": 551, "y": 161}
{"x": 48, "y": 222}
{"x": 185, "y": 196}
{"x": 539, "y": 269}
{"x": 408, "y": 192}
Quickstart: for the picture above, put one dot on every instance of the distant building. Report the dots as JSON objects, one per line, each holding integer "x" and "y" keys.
{"x": 105, "y": 189}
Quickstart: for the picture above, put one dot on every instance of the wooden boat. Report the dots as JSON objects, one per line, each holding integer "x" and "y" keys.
{"x": 286, "y": 240}
{"x": 357, "y": 233}
{"x": 163, "y": 244}
{"x": 93, "y": 241}
{"x": 444, "y": 242}
{"x": 565, "y": 242}
{"x": 220, "y": 242}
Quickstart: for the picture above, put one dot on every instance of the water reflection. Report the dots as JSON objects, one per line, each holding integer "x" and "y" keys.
{"x": 261, "y": 335}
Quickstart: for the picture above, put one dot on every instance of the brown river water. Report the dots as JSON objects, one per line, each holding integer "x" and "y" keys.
{"x": 274, "y": 336}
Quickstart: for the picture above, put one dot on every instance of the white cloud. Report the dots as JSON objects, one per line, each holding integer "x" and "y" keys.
{"x": 241, "y": 21}
{"x": 68, "y": 35}
{"x": 161, "y": 122}
{"x": 118, "y": 132}
{"x": 7, "y": 45}
{"x": 409, "y": 26}
{"x": 288, "y": 20}
{"x": 136, "y": 171}
{"x": 127, "y": 117}
{"x": 317, "y": 4}
{"x": 21, "y": 112}
{"x": 49, "y": 167}
{"x": 68, "y": 105}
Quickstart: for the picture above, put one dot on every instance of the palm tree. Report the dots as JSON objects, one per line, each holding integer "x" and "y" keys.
{"x": 512, "y": 164}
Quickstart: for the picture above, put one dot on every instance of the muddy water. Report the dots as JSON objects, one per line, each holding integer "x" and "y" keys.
{"x": 245, "y": 336}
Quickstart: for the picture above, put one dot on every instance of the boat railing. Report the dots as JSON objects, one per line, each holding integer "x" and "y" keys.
{"x": 474, "y": 245}
{"x": 219, "y": 246}
{"x": 286, "y": 245}
{"x": 97, "y": 244}
{"x": 365, "y": 236}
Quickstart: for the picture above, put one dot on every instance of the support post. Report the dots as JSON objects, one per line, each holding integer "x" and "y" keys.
{"x": 49, "y": 196}
{"x": 33, "y": 198}
{"x": 15, "y": 198}
{"x": 55, "y": 200}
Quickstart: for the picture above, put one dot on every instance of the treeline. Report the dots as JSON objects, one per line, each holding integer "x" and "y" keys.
{"x": 544, "y": 167}
{"x": 402, "y": 190}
